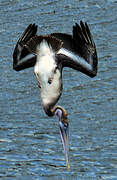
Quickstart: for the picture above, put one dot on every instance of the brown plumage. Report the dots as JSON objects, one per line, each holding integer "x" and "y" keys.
{"x": 53, "y": 42}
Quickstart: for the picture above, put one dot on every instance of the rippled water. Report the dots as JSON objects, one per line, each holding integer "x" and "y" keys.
{"x": 30, "y": 145}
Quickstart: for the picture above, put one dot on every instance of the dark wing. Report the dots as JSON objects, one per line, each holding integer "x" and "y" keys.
{"x": 66, "y": 39}
{"x": 22, "y": 58}
{"x": 79, "y": 50}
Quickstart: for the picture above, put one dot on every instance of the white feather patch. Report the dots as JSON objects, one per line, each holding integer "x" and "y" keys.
{"x": 75, "y": 57}
{"x": 45, "y": 67}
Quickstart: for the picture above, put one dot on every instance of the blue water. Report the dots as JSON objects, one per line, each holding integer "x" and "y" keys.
{"x": 30, "y": 144}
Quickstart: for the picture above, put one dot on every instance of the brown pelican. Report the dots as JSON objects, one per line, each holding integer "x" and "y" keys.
{"x": 49, "y": 55}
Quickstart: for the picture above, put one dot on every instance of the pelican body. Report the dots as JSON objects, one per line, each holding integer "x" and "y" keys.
{"x": 49, "y": 55}
{"x": 48, "y": 75}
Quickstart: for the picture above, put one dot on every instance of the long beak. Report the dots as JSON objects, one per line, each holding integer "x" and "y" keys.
{"x": 64, "y": 132}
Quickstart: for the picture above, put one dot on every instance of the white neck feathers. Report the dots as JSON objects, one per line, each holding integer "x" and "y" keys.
{"x": 45, "y": 59}
{"x": 43, "y": 49}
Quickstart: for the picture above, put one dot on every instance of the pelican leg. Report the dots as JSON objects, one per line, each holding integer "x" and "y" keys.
{"x": 37, "y": 77}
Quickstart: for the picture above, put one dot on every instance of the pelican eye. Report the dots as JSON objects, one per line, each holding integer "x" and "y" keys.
{"x": 65, "y": 125}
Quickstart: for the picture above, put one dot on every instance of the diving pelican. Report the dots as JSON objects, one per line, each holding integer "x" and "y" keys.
{"x": 48, "y": 55}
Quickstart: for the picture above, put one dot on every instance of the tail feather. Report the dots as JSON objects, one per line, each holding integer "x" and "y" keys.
{"x": 55, "y": 43}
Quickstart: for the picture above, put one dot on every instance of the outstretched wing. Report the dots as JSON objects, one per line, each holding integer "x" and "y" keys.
{"x": 78, "y": 51}
{"x": 22, "y": 58}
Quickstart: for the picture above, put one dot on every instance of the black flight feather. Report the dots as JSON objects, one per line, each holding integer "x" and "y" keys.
{"x": 66, "y": 39}
{"x": 20, "y": 51}
{"x": 83, "y": 42}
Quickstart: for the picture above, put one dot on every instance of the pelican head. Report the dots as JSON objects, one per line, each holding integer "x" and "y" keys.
{"x": 63, "y": 122}
{"x": 62, "y": 114}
